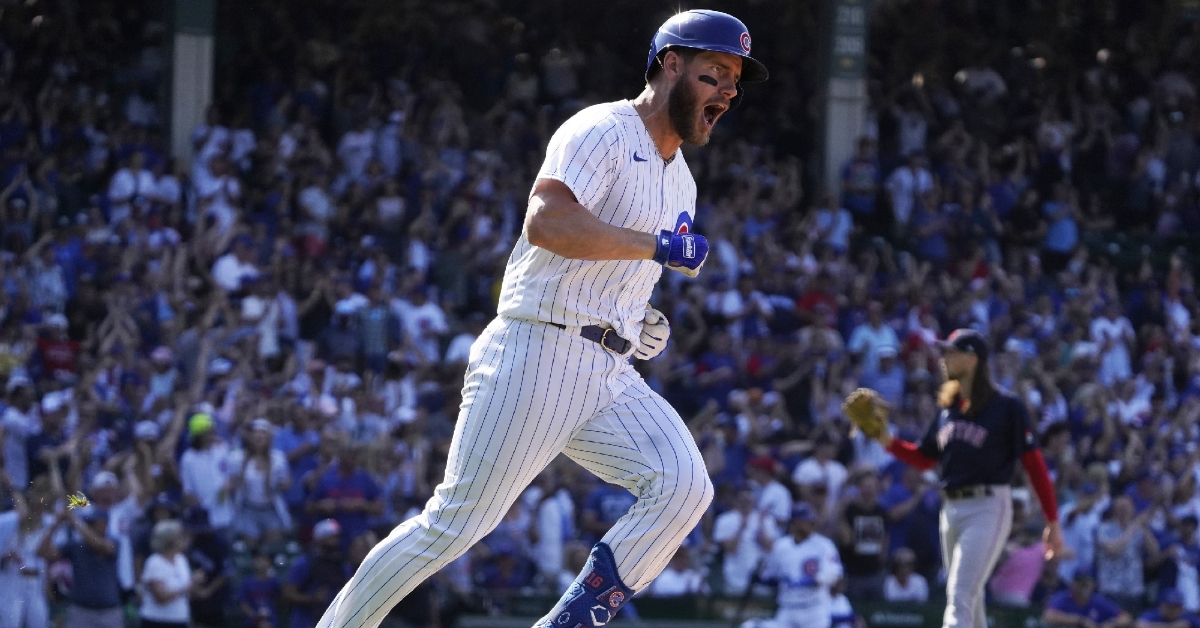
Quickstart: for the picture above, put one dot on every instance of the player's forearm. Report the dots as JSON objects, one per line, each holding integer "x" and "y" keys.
{"x": 568, "y": 229}
{"x": 908, "y": 453}
{"x": 1039, "y": 477}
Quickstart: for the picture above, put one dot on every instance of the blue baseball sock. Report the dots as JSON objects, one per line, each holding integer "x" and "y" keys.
{"x": 595, "y": 597}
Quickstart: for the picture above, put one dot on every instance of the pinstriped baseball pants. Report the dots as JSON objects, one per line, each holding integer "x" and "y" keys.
{"x": 532, "y": 391}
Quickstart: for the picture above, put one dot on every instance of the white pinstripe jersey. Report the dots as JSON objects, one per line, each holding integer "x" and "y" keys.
{"x": 605, "y": 155}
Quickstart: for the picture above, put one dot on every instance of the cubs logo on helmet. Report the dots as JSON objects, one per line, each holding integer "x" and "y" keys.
{"x": 746, "y": 42}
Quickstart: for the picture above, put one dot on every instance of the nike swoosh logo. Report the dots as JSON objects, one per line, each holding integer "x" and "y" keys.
{"x": 637, "y": 158}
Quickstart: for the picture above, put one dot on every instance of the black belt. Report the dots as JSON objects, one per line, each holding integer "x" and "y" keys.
{"x": 968, "y": 492}
{"x": 603, "y": 336}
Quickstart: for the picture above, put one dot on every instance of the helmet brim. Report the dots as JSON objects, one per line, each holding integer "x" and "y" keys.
{"x": 753, "y": 71}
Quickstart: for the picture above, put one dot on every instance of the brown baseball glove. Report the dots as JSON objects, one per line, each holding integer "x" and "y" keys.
{"x": 867, "y": 411}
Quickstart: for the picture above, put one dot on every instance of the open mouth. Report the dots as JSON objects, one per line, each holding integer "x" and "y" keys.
{"x": 711, "y": 113}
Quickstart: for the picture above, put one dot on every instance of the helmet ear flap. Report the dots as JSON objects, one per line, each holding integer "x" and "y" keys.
{"x": 737, "y": 100}
{"x": 654, "y": 66}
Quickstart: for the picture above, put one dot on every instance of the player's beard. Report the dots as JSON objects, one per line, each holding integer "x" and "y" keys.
{"x": 684, "y": 111}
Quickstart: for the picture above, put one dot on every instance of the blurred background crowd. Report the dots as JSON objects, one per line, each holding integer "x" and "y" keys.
{"x": 251, "y": 364}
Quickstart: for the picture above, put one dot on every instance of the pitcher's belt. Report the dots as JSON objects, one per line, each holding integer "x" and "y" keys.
{"x": 968, "y": 492}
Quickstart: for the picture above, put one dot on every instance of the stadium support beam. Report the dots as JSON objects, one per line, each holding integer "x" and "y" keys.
{"x": 846, "y": 88}
{"x": 191, "y": 71}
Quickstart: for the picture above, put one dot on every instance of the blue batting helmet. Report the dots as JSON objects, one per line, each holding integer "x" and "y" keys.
{"x": 706, "y": 30}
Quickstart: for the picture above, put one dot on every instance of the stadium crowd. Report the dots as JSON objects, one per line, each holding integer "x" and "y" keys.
{"x": 250, "y": 365}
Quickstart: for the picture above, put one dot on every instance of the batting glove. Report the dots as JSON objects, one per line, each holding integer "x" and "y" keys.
{"x": 684, "y": 252}
{"x": 655, "y": 332}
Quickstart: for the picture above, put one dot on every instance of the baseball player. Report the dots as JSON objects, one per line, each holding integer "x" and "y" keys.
{"x": 805, "y": 566}
{"x": 980, "y": 433}
{"x": 611, "y": 206}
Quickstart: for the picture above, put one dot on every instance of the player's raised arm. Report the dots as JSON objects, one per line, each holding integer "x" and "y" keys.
{"x": 558, "y": 223}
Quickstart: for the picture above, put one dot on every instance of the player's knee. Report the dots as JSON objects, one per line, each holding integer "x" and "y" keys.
{"x": 434, "y": 534}
{"x": 699, "y": 478}
{"x": 964, "y": 602}
{"x": 708, "y": 492}
{"x": 692, "y": 490}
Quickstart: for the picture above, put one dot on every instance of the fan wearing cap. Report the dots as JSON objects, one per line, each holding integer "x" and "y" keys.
{"x": 773, "y": 497}
{"x": 89, "y": 545}
{"x": 981, "y": 431}
{"x": 121, "y": 511}
{"x": 314, "y": 578}
{"x": 1082, "y": 606}
{"x": 1169, "y": 613}
{"x": 204, "y": 469}
{"x": 805, "y": 566}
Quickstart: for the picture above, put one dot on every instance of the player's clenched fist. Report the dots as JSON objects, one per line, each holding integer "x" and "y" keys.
{"x": 684, "y": 252}
{"x": 655, "y": 332}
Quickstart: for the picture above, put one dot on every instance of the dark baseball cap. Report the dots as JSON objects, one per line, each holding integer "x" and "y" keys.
{"x": 195, "y": 519}
{"x": 1171, "y": 597}
{"x": 967, "y": 341}
{"x": 803, "y": 512}
{"x": 765, "y": 463}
